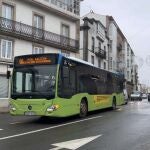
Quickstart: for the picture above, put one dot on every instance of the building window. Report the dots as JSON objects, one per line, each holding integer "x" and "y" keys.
{"x": 104, "y": 65}
{"x": 128, "y": 74}
{"x": 69, "y": 5}
{"x": 38, "y": 24}
{"x": 98, "y": 27}
{"x": 38, "y": 50}
{"x": 99, "y": 46}
{"x": 76, "y": 7}
{"x": 99, "y": 63}
{"x": 110, "y": 49}
{"x": 128, "y": 51}
{"x": 93, "y": 44}
{"x": 104, "y": 48}
{"x": 65, "y": 4}
{"x": 111, "y": 63}
{"x": 128, "y": 65}
{"x": 7, "y": 11}
{"x": 114, "y": 65}
{"x": 38, "y": 21}
{"x": 92, "y": 60}
{"x": 6, "y": 49}
{"x": 65, "y": 53}
{"x": 65, "y": 30}
{"x": 52, "y": 1}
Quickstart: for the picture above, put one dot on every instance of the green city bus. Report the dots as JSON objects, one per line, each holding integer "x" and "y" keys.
{"x": 57, "y": 86}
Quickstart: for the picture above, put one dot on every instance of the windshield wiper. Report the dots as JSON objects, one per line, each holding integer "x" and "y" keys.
{"x": 47, "y": 96}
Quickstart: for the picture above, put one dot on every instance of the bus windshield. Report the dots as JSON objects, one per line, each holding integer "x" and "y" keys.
{"x": 35, "y": 81}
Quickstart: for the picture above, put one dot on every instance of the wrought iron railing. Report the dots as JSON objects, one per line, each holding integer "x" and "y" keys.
{"x": 100, "y": 53}
{"x": 30, "y": 33}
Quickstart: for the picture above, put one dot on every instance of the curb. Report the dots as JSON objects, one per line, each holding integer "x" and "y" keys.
{"x": 4, "y": 105}
{"x": 4, "y": 109}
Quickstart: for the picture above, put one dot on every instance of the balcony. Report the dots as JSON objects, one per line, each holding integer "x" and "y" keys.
{"x": 32, "y": 34}
{"x": 100, "y": 53}
{"x": 70, "y": 6}
{"x": 69, "y": 9}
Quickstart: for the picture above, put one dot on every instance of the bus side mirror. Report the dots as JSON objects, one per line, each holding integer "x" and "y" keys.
{"x": 8, "y": 74}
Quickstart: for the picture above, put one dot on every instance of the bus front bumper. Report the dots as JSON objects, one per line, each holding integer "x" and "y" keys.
{"x": 32, "y": 108}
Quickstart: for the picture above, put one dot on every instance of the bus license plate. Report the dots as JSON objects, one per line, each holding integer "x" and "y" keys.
{"x": 29, "y": 113}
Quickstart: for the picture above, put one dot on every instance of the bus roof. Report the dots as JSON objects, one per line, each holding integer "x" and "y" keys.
{"x": 90, "y": 64}
{"x": 81, "y": 61}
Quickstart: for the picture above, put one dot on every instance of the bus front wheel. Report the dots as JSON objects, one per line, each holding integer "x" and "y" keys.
{"x": 83, "y": 109}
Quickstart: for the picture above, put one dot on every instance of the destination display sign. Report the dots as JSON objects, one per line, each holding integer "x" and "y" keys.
{"x": 35, "y": 60}
{"x": 30, "y": 61}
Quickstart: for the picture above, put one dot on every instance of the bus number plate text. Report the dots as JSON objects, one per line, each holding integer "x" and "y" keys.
{"x": 30, "y": 113}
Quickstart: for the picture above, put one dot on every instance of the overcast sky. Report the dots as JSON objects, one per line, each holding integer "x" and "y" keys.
{"x": 133, "y": 18}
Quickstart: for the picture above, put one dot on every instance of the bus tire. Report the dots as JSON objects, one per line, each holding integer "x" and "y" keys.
{"x": 83, "y": 108}
{"x": 114, "y": 104}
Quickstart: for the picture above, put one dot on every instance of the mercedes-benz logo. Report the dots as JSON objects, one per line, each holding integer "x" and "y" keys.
{"x": 29, "y": 107}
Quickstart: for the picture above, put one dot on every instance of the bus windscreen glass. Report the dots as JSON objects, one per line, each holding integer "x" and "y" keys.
{"x": 34, "y": 81}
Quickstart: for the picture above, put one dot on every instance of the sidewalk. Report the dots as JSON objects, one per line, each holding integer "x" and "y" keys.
{"x": 4, "y": 103}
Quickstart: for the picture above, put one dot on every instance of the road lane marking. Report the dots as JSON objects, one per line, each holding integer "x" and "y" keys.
{"x": 16, "y": 123}
{"x": 74, "y": 144}
{"x": 57, "y": 148}
{"x": 44, "y": 129}
{"x": 119, "y": 109}
{"x": 1, "y": 129}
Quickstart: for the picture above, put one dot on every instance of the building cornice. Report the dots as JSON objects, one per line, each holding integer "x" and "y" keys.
{"x": 83, "y": 27}
{"x": 91, "y": 20}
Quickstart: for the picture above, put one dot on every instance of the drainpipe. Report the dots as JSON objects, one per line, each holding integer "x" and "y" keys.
{"x": 85, "y": 39}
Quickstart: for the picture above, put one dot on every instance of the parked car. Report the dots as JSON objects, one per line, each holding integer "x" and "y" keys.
{"x": 144, "y": 96}
{"x": 148, "y": 96}
{"x": 136, "y": 95}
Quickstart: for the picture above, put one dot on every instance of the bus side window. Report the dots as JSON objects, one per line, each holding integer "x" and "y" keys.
{"x": 65, "y": 77}
{"x": 109, "y": 83}
{"x": 82, "y": 85}
{"x": 67, "y": 83}
{"x": 87, "y": 84}
{"x": 72, "y": 77}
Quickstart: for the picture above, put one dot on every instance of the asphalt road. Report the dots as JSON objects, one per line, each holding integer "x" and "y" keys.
{"x": 127, "y": 128}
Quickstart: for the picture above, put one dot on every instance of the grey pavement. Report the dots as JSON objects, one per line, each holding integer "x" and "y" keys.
{"x": 4, "y": 105}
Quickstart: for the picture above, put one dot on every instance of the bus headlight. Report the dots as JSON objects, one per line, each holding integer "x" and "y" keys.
{"x": 52, "y": 108}
{"x": 11, "y": 107}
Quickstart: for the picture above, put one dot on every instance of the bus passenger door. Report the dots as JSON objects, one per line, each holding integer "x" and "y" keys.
{"x": 66, "y": 85}
{"x": 67, "y": 88}
{"x": 102, "y": 98}
{"x": 88, "y": 85}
